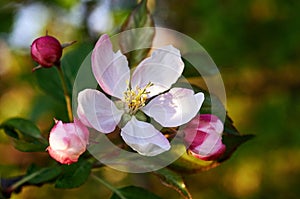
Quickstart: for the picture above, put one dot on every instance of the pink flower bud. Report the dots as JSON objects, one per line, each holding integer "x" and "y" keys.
{"x": 68, "y": 141}
{"x": 203, "y": 136}
{"x": 46, "y": 51}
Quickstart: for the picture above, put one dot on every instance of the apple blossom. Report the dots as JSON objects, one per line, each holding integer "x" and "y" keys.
{"x": 46, "y": 51}
{"x": 147, "y": 90}
{"x": 68, "y": 141}
{"x": 203, "y": 136}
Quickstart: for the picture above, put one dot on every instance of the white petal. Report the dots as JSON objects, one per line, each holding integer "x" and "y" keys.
{"x": 96, "y": 109}
{"x": 174, "y": 108}
{"x": 162, "y": 69}
{"x": 144, "y": 138}
{"x": 81, "y": 115}
{"x": 110, "y": 69}
{"x": 57, "y": 134}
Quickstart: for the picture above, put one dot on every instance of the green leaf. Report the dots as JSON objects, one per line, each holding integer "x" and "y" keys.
{"x": 212, "y": 100}
{"x": 29, "y": 146}
{"x": 200, "y": 59}
{"x": 44, "y": 105}
{"x": 74, "y": 175}
{"x": 25, "y": 135}
{"x": 232, "y": 139}
{"x": 34, "y": 176}
{"x": 48, "y": 81}
{"x": 229, "y": 128}
{"x": 232, "y": 142}
{"x": 72, "y": 61}
{"x": 23, "y": 127}
{"x": 134, "y": 39}
{"x": 174, "y": 181}
{"x": 11, "y": 132}
{"x": 46, "y": 175}
{"x": 189, "y": 70}
{"x": 133, "y": 192}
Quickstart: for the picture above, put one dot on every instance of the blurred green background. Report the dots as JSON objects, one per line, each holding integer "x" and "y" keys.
{"x": 256, "y": 45}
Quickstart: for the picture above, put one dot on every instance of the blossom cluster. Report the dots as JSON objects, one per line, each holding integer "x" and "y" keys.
{"x": 126, "y": 99}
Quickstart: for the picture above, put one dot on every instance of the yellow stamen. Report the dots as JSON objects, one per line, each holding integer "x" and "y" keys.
{"x": 135, "y": 99}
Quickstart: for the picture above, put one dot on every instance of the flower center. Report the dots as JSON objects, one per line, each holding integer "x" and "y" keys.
{"x": 136, "y": 98}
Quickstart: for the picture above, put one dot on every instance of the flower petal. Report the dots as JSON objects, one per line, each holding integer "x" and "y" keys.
{"x": 110, "y": 69}
{"x": 97, "y": 111}
{"x": 67, "y": 141}
{"x": 81, "y": 131}
{"x": 211, "y": 149}
{"x": 144, "y": 138}
{"x": 210, "y": 124}
{"x": 57, "y": 134}
{"x": 211, "y": 144}
{"x": 174, "y": 108}
{"x": 203, "y": 137}
{"x": 162, "y": 69}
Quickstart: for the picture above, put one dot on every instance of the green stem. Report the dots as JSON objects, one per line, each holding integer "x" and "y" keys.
{"x": 109, "y": 186}
{"x": 25, "y": 179}
{"x": 66, "y": 94}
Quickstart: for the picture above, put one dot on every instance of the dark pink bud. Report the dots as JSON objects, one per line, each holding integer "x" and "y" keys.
{"x": 203, "y": 136}
{"x": 46, "y": 51}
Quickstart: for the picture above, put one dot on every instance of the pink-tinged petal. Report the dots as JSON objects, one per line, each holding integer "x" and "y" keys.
{"x": 81, "y": 131}
{"x": 70, "y": 154}
{"x": 144, "y": 138}
{"x": 110, "y": 69}
{"x": 203, "y": 137}
{"x": 210, "y": 124}
{"x": 174, "y": 108}
{"x": 99, "y": 112}
{"x": 195, "y": 139}
{"x": 57, "y": 135}
{"x": 67, "y": 141}
{"x": 162, "y": 69}
{"x": 210, "y": 145}
{"x": 211, "y": 149}
{"x": 81, "y": 115}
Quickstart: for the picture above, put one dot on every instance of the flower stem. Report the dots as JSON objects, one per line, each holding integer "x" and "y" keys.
{"x": 25, "y": 179}
{"x": 66, "y": 94}
{"x": 109, "y": 186}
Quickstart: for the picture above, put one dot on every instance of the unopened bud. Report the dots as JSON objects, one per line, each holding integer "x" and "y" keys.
{"x": 203, "y": 136}
{"x": 68, "y": 141}
{"x": 46, "y": 51}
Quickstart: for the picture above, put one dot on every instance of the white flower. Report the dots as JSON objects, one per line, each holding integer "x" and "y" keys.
{"x": 147, "y": 90}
